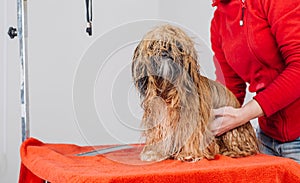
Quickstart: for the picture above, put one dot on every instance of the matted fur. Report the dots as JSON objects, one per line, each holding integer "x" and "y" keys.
{"x": 178, "y": 101}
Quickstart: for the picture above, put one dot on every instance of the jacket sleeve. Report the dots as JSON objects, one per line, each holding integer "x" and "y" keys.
{"x": 225, "y": 74}
{"x": 284, "y": 19}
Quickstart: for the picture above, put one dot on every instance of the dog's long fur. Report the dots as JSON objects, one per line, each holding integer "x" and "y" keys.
{"x": 178, "y": 102}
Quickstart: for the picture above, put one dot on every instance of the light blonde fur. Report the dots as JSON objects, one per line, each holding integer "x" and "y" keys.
{"x": 178, "y": 102}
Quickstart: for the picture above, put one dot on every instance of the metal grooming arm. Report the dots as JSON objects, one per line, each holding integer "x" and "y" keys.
{"x": 22, "y": 33}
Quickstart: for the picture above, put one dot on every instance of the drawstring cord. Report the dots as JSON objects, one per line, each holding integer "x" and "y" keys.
{"x": 243, "y": 13}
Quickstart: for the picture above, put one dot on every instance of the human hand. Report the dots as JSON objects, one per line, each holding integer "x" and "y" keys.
{"x": 226, "y": 118}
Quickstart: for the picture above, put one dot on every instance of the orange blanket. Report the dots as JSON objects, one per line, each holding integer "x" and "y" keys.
{"x": 58, "y": 164}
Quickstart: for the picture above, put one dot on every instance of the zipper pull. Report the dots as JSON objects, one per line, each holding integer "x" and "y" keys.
{"x": 243, "y": 12}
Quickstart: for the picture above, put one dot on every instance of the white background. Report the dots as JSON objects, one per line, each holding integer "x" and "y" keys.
{"x": 56, "y": 43}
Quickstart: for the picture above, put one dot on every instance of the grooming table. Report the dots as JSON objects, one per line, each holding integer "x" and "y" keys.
{"x": 58, "y": 163}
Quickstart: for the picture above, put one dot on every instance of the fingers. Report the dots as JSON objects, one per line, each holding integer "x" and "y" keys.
{"x": 222, "y": 118}
{"x": 225, "y": 119}
{"x": 216, "y": 126}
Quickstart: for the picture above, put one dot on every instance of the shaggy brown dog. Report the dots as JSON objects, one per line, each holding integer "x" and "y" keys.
{"x": 178, "y": 102}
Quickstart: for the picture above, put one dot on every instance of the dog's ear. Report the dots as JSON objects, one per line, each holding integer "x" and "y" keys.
{"x": 192, "y": 67}
{"x": 189, "y": 69}
{"x": 138, "y": 72}
{"x": 142, "y": 84}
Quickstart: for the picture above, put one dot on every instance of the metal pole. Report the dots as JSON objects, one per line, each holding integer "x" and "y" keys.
{"x": 22, "y": 35}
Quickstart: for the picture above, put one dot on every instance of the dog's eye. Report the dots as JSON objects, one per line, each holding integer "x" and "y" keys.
{"x": 179, "y": 46}
{"x": 151, "y": 45}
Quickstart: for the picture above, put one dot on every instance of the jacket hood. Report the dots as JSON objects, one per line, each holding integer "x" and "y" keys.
{"x": 216, "y": 2}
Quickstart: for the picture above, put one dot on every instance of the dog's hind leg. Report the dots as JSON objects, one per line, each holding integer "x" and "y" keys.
{"x": 237, "y": 142}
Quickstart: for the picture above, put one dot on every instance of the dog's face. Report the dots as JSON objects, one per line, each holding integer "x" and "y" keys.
{"x": 163, "y": 55}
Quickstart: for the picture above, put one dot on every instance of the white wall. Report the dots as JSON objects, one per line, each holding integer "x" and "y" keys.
{"x": 57, "y": 48}
{"x": 57, "y": 42}
{"x": 196, "y": 15}
{"x": 9, "y": 98}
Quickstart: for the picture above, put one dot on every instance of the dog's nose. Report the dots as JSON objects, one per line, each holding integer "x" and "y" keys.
{"x": 165, "y": 54}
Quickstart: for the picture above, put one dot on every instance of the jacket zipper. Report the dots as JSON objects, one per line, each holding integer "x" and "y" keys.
{"x": 243, "y": 12}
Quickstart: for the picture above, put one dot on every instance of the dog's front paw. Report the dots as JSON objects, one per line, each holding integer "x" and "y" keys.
{"x": 151, "y": 155}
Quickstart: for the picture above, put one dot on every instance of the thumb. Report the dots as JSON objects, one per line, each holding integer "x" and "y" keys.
{"x": 215, "y": 125}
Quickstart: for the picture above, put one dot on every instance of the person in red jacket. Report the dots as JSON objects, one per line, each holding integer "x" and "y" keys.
{"x": 258, "y": 42}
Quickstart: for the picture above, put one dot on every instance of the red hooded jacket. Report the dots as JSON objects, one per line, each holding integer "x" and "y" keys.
{"x": 258, "y": 42}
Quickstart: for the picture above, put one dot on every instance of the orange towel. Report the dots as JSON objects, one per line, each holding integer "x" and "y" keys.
{"x": 57, "y": 163}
